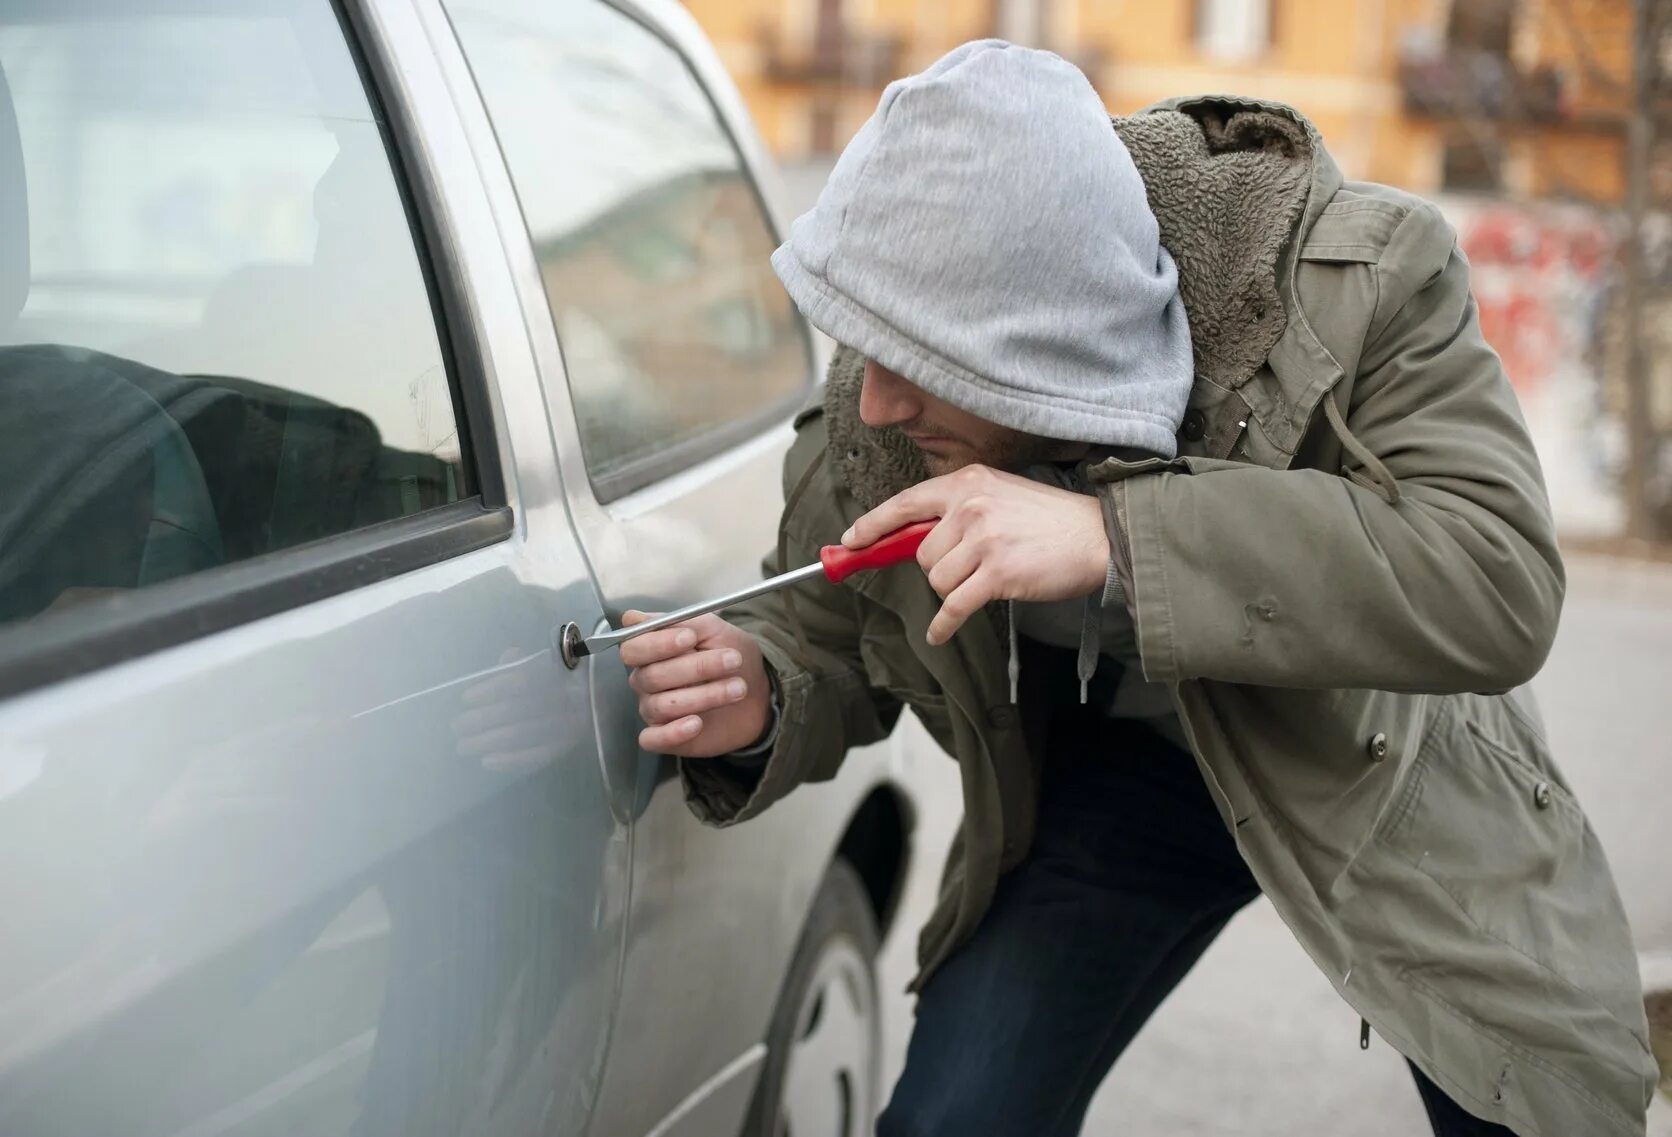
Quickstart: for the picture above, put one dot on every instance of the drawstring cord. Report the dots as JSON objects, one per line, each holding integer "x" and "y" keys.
{"x": 1091, "y": 631}
{"x": 1085, "y": 663}
{"x": 1015, "y": 665}
{"x": 1091, "y": 624}
{"x": 1380, "y": 480}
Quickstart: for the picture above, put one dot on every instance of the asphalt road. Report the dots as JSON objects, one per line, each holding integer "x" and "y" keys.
{"x": 1255, "y": 1042}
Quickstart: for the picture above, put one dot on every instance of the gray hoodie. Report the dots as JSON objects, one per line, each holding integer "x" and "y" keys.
{"x": 986, "y": 235}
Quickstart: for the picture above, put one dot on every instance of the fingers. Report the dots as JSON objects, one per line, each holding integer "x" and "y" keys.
{"x": 670, "y": 738}
{"x": 653, "y": 647}
{"x": 922, "y": 502}
{"x": 940, "y": 541}
{"x": 670, "y": 706}
{"x": 951, "y": 570}
{"x": 666, "y": 643}
{"x": 688, "y": 670}
{"x": 937, "y": 497}
{"x": 965, "y": 600}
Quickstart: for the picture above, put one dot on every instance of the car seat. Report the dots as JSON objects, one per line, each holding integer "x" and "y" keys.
{"x": 102, "y": 489}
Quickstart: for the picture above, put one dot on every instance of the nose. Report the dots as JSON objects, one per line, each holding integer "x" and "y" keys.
{"x": 887, "y": 399}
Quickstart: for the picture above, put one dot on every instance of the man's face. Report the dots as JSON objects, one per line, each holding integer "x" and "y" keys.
{"x": 947, "y": 437}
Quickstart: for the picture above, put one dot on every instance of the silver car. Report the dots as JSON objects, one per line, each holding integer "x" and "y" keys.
{"x": 348, "y": 351}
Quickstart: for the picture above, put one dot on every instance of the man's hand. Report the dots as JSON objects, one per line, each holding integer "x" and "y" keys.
{"x": 1000, "y": 537}
{"x": 702, "y": 687}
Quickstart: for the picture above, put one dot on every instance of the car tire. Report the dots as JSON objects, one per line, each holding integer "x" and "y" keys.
{"x": 824, "y": 1047}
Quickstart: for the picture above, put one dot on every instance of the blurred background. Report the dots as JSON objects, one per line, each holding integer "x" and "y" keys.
{"x": 1543, "y": 129}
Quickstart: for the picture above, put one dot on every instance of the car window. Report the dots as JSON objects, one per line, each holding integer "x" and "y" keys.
{"x": 653, "y": 248}
{"x": 216, "y": 339}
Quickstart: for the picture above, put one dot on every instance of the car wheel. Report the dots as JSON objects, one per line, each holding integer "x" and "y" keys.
{"x": 824, "y": 1048}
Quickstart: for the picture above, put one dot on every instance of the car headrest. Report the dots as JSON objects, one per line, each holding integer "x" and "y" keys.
{"x": 14, "y": 215}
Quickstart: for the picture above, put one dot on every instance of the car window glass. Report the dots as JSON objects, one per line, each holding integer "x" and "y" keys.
{"x": 653, "y": 249}
{"x": 216, "y": 340}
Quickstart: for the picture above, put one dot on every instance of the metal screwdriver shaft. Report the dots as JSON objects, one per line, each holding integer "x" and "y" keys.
{"x": 836, "y": 563}
{"x": 594, "y": 644}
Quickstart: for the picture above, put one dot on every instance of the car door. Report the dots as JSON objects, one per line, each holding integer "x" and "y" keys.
{"x": 673, "y": 362}
{"x": 303, "y": 830}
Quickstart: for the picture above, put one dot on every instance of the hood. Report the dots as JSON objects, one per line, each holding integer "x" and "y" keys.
{"x": 1008, "y": 267}
{"x": 1229, "y": 181}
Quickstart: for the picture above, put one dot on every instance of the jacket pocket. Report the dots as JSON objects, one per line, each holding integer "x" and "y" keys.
{"x": 1482, "y": 815}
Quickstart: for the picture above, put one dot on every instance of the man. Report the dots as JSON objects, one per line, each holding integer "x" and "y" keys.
{"x": 1243, "y": 551}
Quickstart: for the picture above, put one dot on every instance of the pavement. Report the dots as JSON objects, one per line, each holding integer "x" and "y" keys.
{"x": 1255, "y": 1042}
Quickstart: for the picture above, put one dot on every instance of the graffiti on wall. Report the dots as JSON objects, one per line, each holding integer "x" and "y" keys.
{"x": 1541, "y": 276}
{"x": 1546, "y": 279}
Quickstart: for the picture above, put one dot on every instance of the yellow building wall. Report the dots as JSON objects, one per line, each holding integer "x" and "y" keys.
{"x": 1587, "y": 165}
{"x": 1590, "y": 41}
{"x": 1335, "y": 60}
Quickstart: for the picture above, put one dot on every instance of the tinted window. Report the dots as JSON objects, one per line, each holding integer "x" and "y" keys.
{"x": 215, "y": 337}
{"x": 676, "y": 335}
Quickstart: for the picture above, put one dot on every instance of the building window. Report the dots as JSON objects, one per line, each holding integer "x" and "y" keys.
{"x": 1472, "y": 164}
{"x": 1233, "y": 30}
{"x": 1482, "y": 25}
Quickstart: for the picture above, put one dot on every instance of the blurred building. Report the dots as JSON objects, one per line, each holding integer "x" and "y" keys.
{"x": 1524, "y": 97}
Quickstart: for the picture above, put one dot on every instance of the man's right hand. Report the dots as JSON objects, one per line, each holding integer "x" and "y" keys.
{"x": 702, "y": 687}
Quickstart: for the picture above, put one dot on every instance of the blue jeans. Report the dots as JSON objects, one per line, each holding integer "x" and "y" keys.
{"x": 1131, "y": 876}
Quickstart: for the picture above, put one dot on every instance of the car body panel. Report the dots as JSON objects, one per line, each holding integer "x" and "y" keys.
{"x": 268, "y": 880}
{"x": 260, "y": 884}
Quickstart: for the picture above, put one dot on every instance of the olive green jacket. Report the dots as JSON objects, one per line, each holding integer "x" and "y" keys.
{"x": 1343, "y": 577}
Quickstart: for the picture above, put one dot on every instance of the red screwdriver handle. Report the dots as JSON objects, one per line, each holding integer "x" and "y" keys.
{"x": 841, "y": 562}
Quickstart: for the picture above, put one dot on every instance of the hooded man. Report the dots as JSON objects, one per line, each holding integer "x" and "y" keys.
{"x": 1243, "y": 552}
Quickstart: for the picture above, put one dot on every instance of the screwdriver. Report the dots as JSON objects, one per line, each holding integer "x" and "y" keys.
{"x": 836, "y": 563}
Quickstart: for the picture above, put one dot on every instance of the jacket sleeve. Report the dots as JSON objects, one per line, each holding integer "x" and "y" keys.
{"x": 826, "y": 705}
{"x": 1302, "y": 578}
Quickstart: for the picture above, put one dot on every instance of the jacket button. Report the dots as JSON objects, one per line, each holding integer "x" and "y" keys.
{"x": 1194, "y": 427}
{"x": 1541, "y": 795}
{"x": 1002, "y": 717}
{"x": 1378, "y": 746}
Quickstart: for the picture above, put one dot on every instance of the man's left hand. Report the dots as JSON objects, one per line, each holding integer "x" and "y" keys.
{"x": 1000, "y": 537}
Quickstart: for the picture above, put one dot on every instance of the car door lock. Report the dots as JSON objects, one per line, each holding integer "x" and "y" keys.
{"x": 569, "y": 645}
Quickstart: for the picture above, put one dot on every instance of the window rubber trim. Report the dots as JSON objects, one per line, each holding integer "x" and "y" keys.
{"x": 122, "y": 627}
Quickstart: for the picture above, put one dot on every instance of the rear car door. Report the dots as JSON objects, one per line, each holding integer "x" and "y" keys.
{"x": 303, "y": 830}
